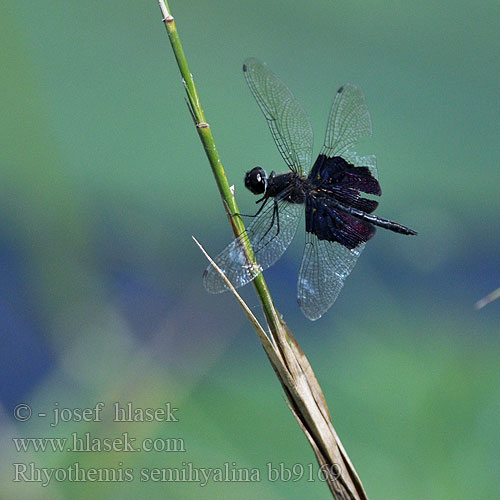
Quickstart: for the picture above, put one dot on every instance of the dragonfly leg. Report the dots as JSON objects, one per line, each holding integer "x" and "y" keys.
{"x": 265, "y": 199}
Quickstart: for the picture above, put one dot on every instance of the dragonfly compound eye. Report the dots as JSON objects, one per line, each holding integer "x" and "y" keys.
{"x": 256, "y": 180}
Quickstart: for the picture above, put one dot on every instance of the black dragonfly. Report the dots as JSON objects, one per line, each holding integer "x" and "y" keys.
{"x": 338, "y": 220}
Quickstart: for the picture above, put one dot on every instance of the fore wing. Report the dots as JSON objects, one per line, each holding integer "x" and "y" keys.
{"x": 270, "y": 234}
{"x": 288, "y": 122}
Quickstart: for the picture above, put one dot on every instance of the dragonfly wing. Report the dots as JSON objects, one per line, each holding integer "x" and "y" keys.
{"x": 348, "y": 121}
{"x": 269, "y": 234}
{"x": 325, "y": 266}
{"x": 369, "y": 161}
{"x": 289, "y": 124}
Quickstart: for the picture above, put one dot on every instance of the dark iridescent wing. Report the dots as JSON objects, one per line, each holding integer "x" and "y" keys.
{"x": 343, "y": 180}
{"x": 289, "y": 124}
{"x": 326, "y": 222}
{"x": 326, "y": 264}
{"x": 348, "y": 121}
{"x": 270, "y": 234}
{"x": 369, "y": 161}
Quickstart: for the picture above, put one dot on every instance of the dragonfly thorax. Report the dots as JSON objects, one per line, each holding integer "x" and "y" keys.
{"x": 290, "y": 186}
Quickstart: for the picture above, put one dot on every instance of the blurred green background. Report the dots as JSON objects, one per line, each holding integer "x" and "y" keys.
{"x": 103, "y": 182}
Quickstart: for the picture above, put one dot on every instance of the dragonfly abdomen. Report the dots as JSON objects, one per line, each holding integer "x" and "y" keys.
{"x": 378, "y": 221}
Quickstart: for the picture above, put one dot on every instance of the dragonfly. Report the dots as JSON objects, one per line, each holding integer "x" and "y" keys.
{"x": 338, "y": 219}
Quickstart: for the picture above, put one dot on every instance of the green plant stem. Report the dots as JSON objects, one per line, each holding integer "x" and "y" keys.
{"x": 305, "y": 397}
{"x": 206, "y": 137}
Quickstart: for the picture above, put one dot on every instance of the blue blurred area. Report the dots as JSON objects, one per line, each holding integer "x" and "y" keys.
{"x": 104, "y": 181}
{"x": 25, "y": 357}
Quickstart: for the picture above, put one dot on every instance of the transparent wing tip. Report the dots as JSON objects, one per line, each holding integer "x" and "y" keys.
{"x": 251, "y": 61}
{"x": 212, "y": 281}
{"x": 309, "y": 312}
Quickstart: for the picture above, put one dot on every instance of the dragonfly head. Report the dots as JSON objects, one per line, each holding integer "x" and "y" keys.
{"x": 256, "y": 180}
